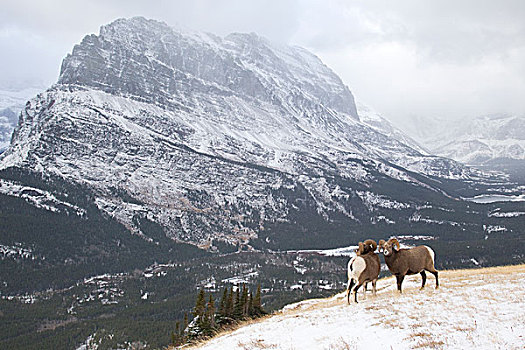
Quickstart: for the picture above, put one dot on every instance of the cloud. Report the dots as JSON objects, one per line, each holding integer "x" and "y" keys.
{"x": 454, "y": 31}
{"x": 435, "y": 57}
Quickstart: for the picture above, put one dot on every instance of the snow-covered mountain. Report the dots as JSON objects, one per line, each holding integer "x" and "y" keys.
{"x": 216, "y": 137}
{"x": 472, "y": 140}
{"x": 459, "y": 315}
{"x": 13, "y": 97}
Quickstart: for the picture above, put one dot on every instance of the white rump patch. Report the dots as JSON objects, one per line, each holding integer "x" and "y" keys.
{"x": 431, "y": 253}
{"x": 358, "y": 266}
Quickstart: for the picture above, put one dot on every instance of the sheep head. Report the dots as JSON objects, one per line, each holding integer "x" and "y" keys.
{"x": 390, "y": 246}
{"x": 370, "y": 245}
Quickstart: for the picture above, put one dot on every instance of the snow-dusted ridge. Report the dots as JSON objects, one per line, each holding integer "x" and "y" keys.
{"x": 471, "y": 309}
{"x": 39, "y": 198}
{"x": 202, "y": 132}
{"x": 472, "y": 140}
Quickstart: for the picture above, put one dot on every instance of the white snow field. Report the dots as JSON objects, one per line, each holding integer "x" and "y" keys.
{"x": 472, "y": 309}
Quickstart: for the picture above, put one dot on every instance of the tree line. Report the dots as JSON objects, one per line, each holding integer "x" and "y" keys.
{"x": 236, "y": 304}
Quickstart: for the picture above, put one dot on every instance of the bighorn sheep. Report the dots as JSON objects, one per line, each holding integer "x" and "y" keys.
{"x": 411, "y": 261}
{"x": 363, "y": 268}
{"x": 368, "y": 246}
{"x": 364, "y": 248}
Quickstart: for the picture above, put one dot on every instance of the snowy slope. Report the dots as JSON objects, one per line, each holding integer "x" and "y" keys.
{"x": 215, "y": 137}
{"x": 480, "y": 309}
{"x": 374, "y": 119}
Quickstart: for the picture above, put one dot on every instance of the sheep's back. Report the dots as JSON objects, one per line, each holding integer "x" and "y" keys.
{"x": 419, "y": 258}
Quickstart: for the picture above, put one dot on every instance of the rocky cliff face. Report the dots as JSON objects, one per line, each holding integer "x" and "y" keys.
{"x": 218, "y": 138}
{"x": 152, "y": 62}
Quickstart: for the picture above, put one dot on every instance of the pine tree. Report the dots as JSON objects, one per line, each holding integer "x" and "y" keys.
{"x": 251, "y": 312}
{"x": 257, "y": 307}
{"x": 237, "y": 307}
{"x": 210, "y": 313}
{"x": 204, "y": 328}
{"x": 229, "y": 304}
{"x": 199, "y": 323}
{"x": 244, "y": 300}
{"x": 200, "y": 304}
{"x": 222, "y": 314}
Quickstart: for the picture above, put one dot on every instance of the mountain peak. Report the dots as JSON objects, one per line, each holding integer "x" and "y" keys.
{"x": 149, "y": 60}
{"x": 189, "y": 124}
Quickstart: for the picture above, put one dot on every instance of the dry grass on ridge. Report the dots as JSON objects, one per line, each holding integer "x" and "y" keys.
{"x": 419, "y": 335}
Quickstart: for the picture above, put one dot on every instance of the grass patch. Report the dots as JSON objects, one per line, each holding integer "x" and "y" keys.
{"x": 342, "y": 344}
{"x": 429, "y": 344}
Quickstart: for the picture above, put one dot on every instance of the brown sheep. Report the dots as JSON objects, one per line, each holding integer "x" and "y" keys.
{"x": 363, "y": 268}
{"x": 402, "y": 262}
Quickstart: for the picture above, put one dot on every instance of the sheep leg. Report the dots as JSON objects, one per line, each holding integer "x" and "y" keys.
{"x": 399, "y": 279}
{"x": 424, "y": 277}
{"x": 435, "y": 273}
{"x": 349, "y": 288}
{"x": 365, "y": 289}
{"x": 355, "y": 291}
{"x": 374, "y": 287}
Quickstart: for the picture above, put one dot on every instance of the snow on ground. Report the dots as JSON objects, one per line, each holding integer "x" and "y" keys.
{"x": 511, "y": 214}
{"x": 481, "y": 308}
{"x": 37, "y": 197}
{"x": 493, "y": 198}
{"x": 341, "y": 251}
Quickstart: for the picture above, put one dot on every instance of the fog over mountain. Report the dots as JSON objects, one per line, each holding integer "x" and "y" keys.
{"x": 493, "y": 142}
{"x": 432, "y": 59}
{"x": 13, "y": 96}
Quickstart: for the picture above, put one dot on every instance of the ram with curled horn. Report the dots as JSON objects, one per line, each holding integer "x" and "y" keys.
{"x": 368, "y": 246}
{"x": 402, "y": 262}
{"x": 363, "y": 268}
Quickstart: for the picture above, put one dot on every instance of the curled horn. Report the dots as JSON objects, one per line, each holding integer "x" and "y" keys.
{"x": 361, "y": 248}
{"x": 395, "y": 242}
{"x": 381, "y": 244}
{"x": 372, "y": 244}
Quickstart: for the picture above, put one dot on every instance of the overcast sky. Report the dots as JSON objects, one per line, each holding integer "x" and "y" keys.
{"x": 442, "y": 58}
